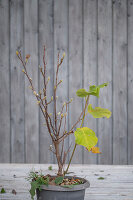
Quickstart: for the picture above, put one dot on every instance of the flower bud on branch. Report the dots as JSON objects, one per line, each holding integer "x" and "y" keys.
{"x": 40, "y": 92}
{"x": 38, "y": 102}
{"x": 30, "y": 87}
{"x": 44, "y": 98}
{"x": 59, "y": 82}
{"x": 27, "y": 56}
{"x": 35, "y": 93}
{"x": 62, "y": 59}
{"x": 17, "y": 53}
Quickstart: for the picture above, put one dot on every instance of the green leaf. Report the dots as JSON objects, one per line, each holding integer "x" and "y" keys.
{"x": 85, "y": 137}
{"x": 82, "y": 93}
{"x": 59, "y": 180}
{"x": 2, "y": 191}
{"x": 42, "y": 181}
{"x": 94, "y": 90}
{"x": 98, "y": 112}
{"x": 32, "y": 175}
{"x": 103, "y": 85}
{"x": 101, "y": 178}
{"x": 34, "y": 186}
{"x": 50, "y": 167}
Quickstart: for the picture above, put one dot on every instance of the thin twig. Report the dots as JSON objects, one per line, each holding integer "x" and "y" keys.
{"x": 55, "y": 88}
{"x": 65, "y": 155}
{"x": 37, "y": 96}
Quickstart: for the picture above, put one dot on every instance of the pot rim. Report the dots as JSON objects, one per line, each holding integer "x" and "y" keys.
{"x": 83, "y": 186}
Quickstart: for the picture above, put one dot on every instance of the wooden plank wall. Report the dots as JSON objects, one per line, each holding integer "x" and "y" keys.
{"x": 97, "y": 38}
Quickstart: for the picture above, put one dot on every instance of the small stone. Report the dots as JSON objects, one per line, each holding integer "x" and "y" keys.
{"x": 14, "y": 192}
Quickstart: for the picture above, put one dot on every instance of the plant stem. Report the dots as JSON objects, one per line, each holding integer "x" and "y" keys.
{"x": 70, "y": 160}
{"x": 60, "y": 166}
{"x": 86, "y": 103}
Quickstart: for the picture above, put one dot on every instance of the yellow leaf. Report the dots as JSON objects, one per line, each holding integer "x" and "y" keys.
{"x": 86, "y": 137}
{"x": 94, "y": 150}
{"x": 17, "y": 53}
{"x": 98, "y": 112}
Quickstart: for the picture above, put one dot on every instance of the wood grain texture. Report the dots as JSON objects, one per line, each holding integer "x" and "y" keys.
{"x": 46, "y": 37}
{"x": 61, "y": 46}
{"x": 116, "y": 185}
{"x": 17, "y": 82}
{"x": 105, "y": 75}
{"x": 4, "y": 83}
{"x": 75, "y": 68}
{"x": 31, "y": 108}
{"x": 130, "y": 82}
{"x": 90, "y": 64}
{"x": 96, "y": 36}
{"x": 120, "y": 82}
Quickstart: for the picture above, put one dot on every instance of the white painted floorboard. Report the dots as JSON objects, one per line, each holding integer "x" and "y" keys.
{"x": 116, "y": 185}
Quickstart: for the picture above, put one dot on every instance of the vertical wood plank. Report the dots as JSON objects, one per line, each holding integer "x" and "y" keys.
{"x": 31, "y": 108}
{"x": 105, "y": 75}
{"x": 120, "y": 82}
{"x": 46, "y": 38}
{"x": 90, "y": 64}
{"x": 130, "y": 82}
{"x": 61, "y": 46}
{"x": 52, "y": 24}
{"x": 17, "y": 82}
{"x": 75, "y": 68}
{"x": 4, "y": 83}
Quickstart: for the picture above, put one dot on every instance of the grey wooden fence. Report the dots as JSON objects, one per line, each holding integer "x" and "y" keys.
{"x": 97, "y": 36}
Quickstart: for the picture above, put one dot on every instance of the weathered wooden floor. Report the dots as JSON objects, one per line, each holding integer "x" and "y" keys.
{"x": 116, "y": 185}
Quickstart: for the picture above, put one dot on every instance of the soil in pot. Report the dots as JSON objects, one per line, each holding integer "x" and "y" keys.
{"x": 67, "y": 188}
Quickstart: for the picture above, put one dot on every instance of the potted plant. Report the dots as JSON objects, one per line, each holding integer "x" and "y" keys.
{"x": 61, "y": 186}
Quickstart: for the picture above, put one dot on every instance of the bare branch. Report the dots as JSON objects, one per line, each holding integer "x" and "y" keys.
{"x": 55, "y": 88}
{"x": 37, "y": 96}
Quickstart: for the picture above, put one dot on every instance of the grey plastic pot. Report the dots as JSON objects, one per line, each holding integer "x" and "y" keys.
{"x": 52, "y": 192}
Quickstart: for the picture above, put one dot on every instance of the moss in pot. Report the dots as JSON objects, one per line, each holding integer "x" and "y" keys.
{"x": 61, "y": 186}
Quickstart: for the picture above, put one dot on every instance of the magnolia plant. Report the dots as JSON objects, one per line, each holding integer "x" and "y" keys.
{"x": 56, "y": 124}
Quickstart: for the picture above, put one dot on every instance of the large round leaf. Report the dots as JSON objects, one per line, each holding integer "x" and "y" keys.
{"x": 98, "y": 112}
{"x": 85, "y": 137}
